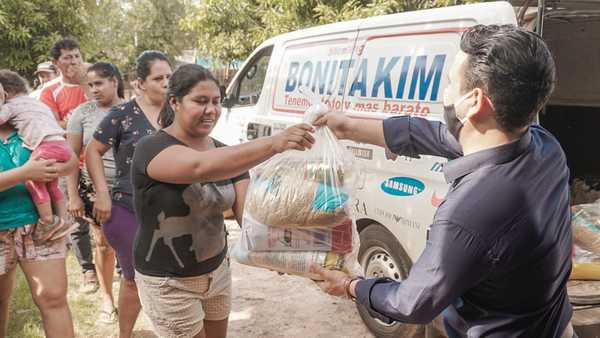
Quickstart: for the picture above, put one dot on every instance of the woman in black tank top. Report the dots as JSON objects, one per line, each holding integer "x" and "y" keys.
{"x": 183, "y": 180}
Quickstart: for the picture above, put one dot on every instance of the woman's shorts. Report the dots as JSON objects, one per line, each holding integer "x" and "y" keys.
{"x": 177, "y": 307}
{"x": 16, "y": 245}
{"x": 120, "y": 230}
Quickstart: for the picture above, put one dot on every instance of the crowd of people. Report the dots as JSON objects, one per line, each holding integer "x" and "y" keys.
{"x": 77, "y": 134}
{"x": 144, "y": 177}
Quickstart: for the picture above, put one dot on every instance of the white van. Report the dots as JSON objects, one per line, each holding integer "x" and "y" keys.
{"x": 390, "y": 65}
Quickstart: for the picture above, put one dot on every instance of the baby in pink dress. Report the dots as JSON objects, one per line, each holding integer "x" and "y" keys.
{"x": 37, "y": 127}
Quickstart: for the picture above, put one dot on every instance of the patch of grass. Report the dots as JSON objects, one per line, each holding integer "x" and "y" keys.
{"x": 25, "y": 320}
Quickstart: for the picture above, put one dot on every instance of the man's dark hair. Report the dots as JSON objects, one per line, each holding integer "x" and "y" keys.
{"x": 13, "y": 83}
{"x": 66, "y": 44}
{"x": 515, "y": 69}
{"x": 184, "y": 78}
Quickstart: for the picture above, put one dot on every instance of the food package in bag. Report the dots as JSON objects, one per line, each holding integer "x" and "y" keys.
{"x": 586, "y": 226}
{"x": 297, "y": 211}
{"x": 259, "y": 237}
{"x": 585, "y": 223}
{"x": 586, "y": 265}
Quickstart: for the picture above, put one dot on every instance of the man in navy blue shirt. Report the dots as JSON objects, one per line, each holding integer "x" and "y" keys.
{"x": 498, "y": 254}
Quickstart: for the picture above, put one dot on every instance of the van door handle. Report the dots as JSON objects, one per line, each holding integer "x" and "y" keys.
{"x": 256, "y": 130}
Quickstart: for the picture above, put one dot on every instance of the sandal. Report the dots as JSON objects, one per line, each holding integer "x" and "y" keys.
{"x": 106, "y": 317}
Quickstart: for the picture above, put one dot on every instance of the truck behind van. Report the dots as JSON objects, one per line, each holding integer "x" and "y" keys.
{"x": 397, "y": 64}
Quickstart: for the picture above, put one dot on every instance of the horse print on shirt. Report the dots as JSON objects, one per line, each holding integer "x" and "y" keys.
{"x": 204, "y": 223}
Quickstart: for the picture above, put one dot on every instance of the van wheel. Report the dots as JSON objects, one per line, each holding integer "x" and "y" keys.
{"x": 381, "y": 255}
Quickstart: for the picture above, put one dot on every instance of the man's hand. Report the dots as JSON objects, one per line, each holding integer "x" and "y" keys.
{"x": 340, "y": 124}
{"x": 334, "y": 281}
{"x": 40, "y": 170}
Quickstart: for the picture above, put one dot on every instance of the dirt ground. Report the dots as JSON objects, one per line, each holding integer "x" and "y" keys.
{"x": 268, "y": 305}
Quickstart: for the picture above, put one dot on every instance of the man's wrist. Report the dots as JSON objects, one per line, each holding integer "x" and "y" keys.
{"x": 350, "y": 287}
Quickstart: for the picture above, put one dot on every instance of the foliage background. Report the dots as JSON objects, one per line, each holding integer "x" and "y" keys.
{"x": 221, "y": 31}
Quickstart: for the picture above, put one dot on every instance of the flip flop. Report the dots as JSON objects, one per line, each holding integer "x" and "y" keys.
{"x": 106, "y": 317}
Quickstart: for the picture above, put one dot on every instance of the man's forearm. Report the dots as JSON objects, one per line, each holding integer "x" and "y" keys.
{"x": 366, "y": 131}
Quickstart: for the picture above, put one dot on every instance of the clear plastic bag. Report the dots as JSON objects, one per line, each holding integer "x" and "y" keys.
{"x": 586, "y": 226}
{"x": 586, "y": 238}
{"x": 297, "y": 209}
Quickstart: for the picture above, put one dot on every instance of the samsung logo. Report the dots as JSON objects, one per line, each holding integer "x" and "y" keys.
{"x": 402, "y": 186}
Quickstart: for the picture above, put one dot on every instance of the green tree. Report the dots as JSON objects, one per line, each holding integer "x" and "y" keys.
{"x": 228, "y": 30}
{"x": 122, "y": 29}
{"x": 29, "y": 28}
{"x": 224, "y": 30}
{"x": 156, "y": 25}
{"x": 110, "y": 39}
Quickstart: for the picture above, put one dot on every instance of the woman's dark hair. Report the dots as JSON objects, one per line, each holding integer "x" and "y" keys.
{"x": 107, "y": 70}
{"x": 181, "y": 82}
{"x": 144, "y": 62}
{"x": 12, "y": 82}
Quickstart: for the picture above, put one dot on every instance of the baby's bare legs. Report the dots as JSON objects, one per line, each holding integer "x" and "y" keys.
{"x": 45, "y": 212}
{"x": 60, "y": 207}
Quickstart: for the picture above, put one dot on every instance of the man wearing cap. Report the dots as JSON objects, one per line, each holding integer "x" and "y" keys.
{"x": 45, "y": 73}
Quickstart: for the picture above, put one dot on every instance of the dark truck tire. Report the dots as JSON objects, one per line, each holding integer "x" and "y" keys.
{"x": 381, "y": 255}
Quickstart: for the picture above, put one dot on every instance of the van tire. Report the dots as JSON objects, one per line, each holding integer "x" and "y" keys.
{"x": 378, "y": 245}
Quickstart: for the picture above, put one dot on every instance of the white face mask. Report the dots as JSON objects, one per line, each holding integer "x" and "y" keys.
{"x": 452, "y": 122}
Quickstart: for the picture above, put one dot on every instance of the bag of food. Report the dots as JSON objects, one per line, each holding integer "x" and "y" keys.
{"x": 586, "y": 265}
{"x": 586, "y": 238}
{"x": 260, "y": 237}
{"x": 297, "y": 208}
{"x": 586, "y": 226}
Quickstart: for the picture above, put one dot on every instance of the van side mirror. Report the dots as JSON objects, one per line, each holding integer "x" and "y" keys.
{"x": 227, "y": 101}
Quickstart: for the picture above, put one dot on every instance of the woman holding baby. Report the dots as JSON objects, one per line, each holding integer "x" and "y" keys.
{"x": 42, "y": 262}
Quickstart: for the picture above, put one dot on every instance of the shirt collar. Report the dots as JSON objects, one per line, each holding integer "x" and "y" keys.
{"x": 465, "y": 165}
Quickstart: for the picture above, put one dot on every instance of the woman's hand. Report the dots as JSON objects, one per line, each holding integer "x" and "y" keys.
{"x": 40, "y": 170}
{"x": 295, "y": 137}
{"x": 102, "y": 207}
{"x": 76, "y": 207}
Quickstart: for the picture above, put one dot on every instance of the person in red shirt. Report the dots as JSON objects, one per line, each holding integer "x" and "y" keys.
{"x": 63, "y": 96}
